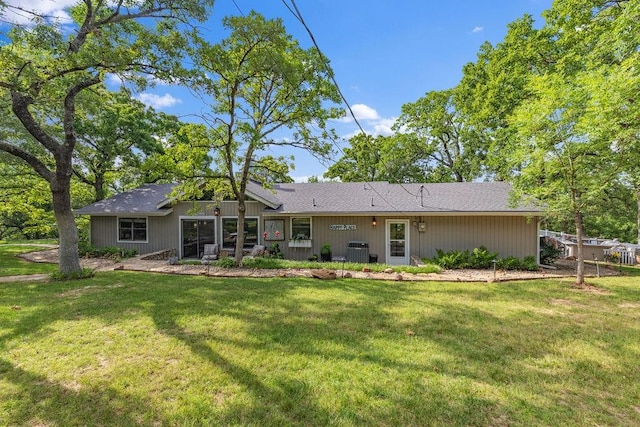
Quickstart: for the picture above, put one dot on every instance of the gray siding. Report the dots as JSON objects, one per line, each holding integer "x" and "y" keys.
{"x": 506, "y": 235}
{"x": 163, "y": 232}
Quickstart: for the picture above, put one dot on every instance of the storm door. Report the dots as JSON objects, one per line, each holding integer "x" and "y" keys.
{"x": 195, "y": 234}
{"x": 397, "y": 241}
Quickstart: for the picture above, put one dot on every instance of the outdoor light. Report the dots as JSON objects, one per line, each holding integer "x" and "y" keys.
{"x": 216, "y": 211}
{"x": 374, "y": 221}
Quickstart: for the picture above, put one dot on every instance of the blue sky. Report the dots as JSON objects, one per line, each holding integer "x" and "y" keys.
{"x": 384, "y": 54}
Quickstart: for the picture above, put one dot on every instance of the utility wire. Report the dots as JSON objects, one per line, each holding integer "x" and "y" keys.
{"x": 296, "y": 13}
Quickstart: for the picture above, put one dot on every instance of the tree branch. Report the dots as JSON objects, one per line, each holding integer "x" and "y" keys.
{"x": 30, "y": 159}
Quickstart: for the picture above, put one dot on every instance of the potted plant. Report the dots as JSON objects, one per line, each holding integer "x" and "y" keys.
{"x": 325, "y": 253}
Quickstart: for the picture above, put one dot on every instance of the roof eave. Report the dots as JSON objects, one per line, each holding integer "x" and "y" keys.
{"x": 163, "y": 212}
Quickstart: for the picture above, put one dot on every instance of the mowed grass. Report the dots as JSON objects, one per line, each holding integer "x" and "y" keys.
{"x": 12, "y": 265}
{"x": 147, "y": 349}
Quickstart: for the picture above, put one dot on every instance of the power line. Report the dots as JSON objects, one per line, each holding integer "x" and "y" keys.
{"x": 296, "y": 13}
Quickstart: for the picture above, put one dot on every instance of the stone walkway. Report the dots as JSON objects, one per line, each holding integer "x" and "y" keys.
{"x": 564, "y": 268}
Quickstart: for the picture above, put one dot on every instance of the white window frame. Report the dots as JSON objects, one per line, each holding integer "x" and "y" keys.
{"x": 292, "y": 237}
{"x": 146, "y": 220}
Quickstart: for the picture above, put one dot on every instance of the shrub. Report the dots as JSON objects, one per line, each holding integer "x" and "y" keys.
{"x": 260, "y": 262}
{"x": 482, "y": 258}
{"x": 548, "y": 253}
{"x": 84, "y": 249}
{"x": 226, "y": 262}
{"x": 452, "y": 259}
{"x": 529, "y": 263}
{"x": 509, "y": 263}
{"x": 478, "y": 258}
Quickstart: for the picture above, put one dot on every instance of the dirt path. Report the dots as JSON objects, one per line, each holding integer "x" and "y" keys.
{"x": 563, "y": 268}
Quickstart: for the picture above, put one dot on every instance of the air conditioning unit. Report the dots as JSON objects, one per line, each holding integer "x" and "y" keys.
{"x": 358, "y": 252}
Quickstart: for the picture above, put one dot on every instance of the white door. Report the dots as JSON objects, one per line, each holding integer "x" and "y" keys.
{"x": 397, "y": 241}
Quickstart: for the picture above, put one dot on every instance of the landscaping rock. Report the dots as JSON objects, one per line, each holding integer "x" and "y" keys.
{"x": 366, "y": 270}
{"x": 388, "y": 270}
{"x": 348, "y": 275}
{"x": 324, "y": 274}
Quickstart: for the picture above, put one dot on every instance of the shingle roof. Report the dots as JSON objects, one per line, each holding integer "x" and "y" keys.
{"x": 383, "y": 197}
{"x": 334, "y": 198}
{"x": 144, "y": 200}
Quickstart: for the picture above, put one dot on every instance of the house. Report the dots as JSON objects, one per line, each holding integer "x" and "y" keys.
{"x": 362, "y": 221}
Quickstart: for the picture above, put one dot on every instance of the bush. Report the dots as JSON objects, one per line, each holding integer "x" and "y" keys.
{"x": 226, "y": 262}
{"x": 478, "y": 258}
{"x": 481, "y": 258}
{"x": 452, "y": 259}
{"x": 513, "y": 263}
{"x": 509, "y": 263}
{"x": 260, "y": 262}
{"x": 548, "y": 253}
{"x": 529, "y": 263}
{"x": 114, "y": 252}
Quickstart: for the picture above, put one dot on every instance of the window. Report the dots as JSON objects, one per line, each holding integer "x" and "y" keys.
{"x": 230, "y": 232}
{"x": 132, "y": 229}
{"x": 301, "y": 228}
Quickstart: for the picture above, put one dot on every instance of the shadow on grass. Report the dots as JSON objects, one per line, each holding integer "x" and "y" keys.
{"x": 474, "y": 356}
{"x": 39, "y": 401}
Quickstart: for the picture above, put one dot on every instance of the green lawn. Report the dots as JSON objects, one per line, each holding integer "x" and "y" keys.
{"x": 125, "y": 349}
{"x": 12, "y": 265}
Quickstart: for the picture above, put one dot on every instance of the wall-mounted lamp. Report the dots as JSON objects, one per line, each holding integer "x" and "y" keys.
{"x": 216, "y": 211}
{"x": 374, "y": 221}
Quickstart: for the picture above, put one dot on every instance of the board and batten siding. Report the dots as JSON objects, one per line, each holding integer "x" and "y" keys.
{"x": 163, "y": 232}
{"x": 507, "y": 235}
{"x": 338, "y": 239}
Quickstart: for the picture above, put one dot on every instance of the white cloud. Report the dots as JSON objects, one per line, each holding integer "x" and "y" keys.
{"x": 54, "y": 10}
{"x": 364, "y": 112}
{"x": 158, "y": 101}
{"x": 383, "y": 126}
{"x": 477, "y": 29}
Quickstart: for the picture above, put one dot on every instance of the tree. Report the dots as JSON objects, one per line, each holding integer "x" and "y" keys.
{"x": 392, "y": 158}
{"x": 560, "y": 163}
{"x": 497, "y": 83}
{"x": 449, "y": 148}
{"x": 263, "y": 82}
{"x": 115, "y": 134}
{"x": 569, "y": 157}
{"x": 46, "y": 68}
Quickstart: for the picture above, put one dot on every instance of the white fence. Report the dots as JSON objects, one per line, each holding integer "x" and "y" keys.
{"x": 623, "y": 256}
{"x": 612, "y": 250}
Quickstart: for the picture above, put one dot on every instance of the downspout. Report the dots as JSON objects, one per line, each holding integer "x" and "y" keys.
{"x": 538, "y": 222}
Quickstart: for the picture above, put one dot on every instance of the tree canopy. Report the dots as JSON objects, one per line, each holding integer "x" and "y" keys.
{"x": 260, "y": 81}
{"x": 46, "y": 68}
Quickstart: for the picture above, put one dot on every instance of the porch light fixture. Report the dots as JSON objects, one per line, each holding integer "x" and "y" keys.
{"x": 374, "y": 221}
{"x": 216, "y": 211}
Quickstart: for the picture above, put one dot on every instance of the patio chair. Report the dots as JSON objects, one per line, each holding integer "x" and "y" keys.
{"x": 211, "y": 253}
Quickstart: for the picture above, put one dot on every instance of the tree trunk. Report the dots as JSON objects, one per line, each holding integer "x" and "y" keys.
{"x": 638, "y": 215}
{"x": 69, "y": 261}
{"x": 580, "y": 248}
{"x": 240, "y": 230}
{"x": 98, "y": 186}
